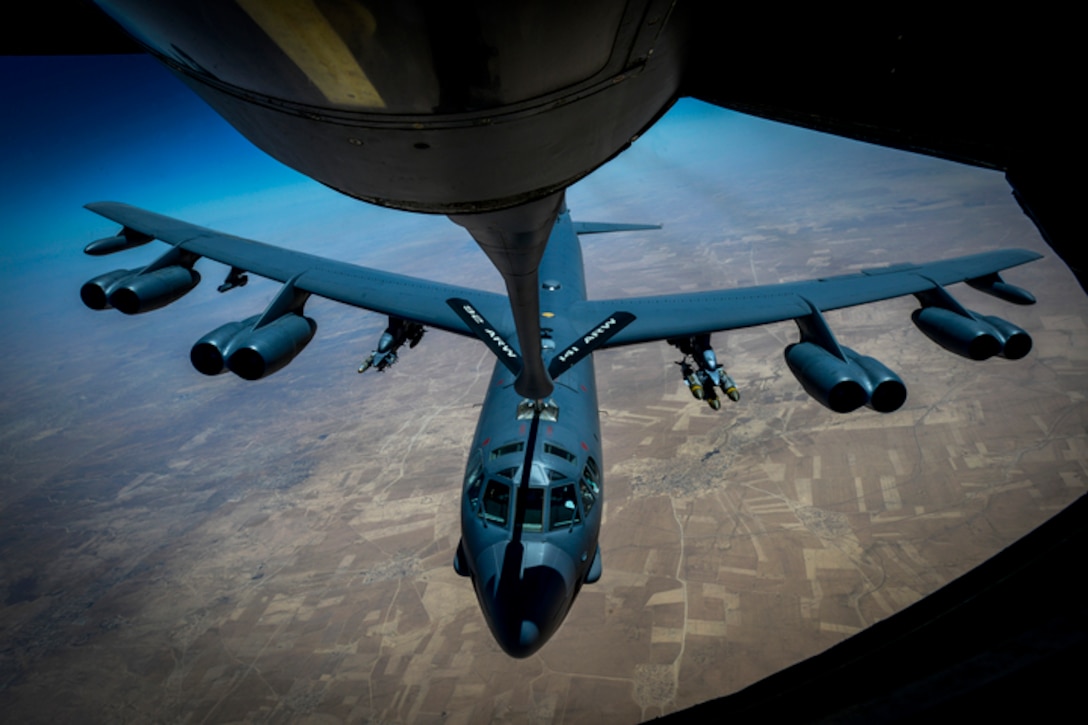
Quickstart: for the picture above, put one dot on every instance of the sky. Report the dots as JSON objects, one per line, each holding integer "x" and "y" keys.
{"x": 123, "y": 128}
{"x": 112, "y": 127}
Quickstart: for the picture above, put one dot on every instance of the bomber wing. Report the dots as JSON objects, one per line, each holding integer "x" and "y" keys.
{"x": 681, "y": 315}
{"x": 387, "y": 293}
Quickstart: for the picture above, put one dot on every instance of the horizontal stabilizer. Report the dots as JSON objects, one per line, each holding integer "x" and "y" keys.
{"x": 604, "y": 227}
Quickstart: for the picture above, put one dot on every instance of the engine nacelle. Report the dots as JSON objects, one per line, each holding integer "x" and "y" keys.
{"x": 886, "y": 390}
{"x": 96, "y": 293}
{"x": 1015, "y": 342}
{"x": 209, "y": 354}
{"x": 844, "y": 386}
{"x": 255, "y": 353}
{"x": 978, "y": 337}
{"x": 150, "y": 291}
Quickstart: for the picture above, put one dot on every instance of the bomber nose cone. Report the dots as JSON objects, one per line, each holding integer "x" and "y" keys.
{"x": 526, "y": 597}
{"x": 528, "y": 636}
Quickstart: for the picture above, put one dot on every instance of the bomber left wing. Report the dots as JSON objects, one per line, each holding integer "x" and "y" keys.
{"x": 371, "y": 289}
{"x": 262, "y": 344}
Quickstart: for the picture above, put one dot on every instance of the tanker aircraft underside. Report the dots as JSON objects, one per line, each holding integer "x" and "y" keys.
{"x": 532, "y": 497}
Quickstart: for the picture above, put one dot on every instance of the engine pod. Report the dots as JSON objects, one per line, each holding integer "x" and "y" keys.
{"x": 887, "y": 393}
{"x": 844, "y": 385}
{"x": 826, "y": 378}
{"x": 209, "y": 354}
{"x": 966, "y": 336}
{"x": 262, "y": 351}
{"x": 96, "y": 292}
{"x": 150, "y": 291}
{"x": 1015, "y": 342}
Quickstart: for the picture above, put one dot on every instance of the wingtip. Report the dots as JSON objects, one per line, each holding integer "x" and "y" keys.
{"x": 1029, "y": 255}
{"x": 98, "y": 206}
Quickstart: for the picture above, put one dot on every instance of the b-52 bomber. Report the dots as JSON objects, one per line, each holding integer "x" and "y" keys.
{"x": 533, "y": 491}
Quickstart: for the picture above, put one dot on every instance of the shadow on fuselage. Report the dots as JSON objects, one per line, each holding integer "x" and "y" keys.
{"x": 525, "y": 597}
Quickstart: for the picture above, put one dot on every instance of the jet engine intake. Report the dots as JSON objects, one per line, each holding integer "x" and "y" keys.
{"x": 1015, "y": 342}
{"x": 209, "y": 354}
{"x": 151, "y": 290}
{"x": 255, "y": 353}
{"x": 886, "y": 391}
{"x": 845, "y": 385}
{"x": 977, "y": 337}
{"x": 96, "y": 292}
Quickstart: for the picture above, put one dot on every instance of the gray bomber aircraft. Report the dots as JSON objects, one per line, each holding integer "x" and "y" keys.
{"x": 532, "y": 497}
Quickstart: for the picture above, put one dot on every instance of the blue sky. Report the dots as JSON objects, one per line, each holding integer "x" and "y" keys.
{"x": 123, "y": 128}
{"x": 111, "y": 128}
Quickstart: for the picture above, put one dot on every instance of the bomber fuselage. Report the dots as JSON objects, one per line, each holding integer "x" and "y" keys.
{"x": 532, "y": 499}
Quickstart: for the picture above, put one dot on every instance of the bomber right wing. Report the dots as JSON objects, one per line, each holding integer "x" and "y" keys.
{"x": 833, "y": 374}
{"x": 677, "y": 315}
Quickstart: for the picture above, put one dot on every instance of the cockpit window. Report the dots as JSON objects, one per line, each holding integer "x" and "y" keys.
{"x": 473, "y": 481}
{"x": 592, "y": 473}
{"x": 589, "y": 485}
{"x": 534, "y": 509}
{"x": 564, "y": 508}
{"x": 507, "y": 449}
{"x": 507, "y": 473}
{"x": 561, "y": 452}
{"x": 496, "y": 505}
{"x": 554, "y": 475}
{"x": 589, "y": 496}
